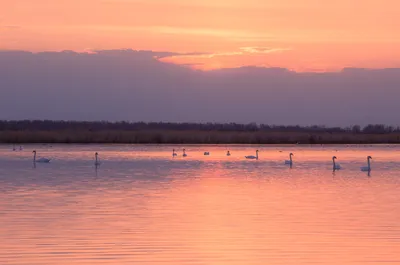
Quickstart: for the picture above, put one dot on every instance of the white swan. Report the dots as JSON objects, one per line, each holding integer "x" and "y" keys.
{"x": 228, "y": 153}
{"x": 336, "y": 166}
{"x": 184, "y": 153}
{"x": 173, "y": 153}
{"x": 206, "y": 153}
{"x": 289, "y": 162}
{"x": 368, "y": 167}
{"x": 253, "y": 157}
{"x": 40, "y": 160}
{"x": 97, "y": 161}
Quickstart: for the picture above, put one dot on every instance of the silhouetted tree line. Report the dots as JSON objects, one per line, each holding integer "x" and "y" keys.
{"x": 96, "y": 126}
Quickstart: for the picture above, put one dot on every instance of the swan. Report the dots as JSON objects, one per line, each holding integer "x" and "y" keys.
{"x": 206, "y": 153}
{"x": 289, "y": 162}
{"x": 184, "y": 153}
{"x": 173, "y": 153}
{"x": 336, "y": 166}
{"x": 368, "y": 167}
{"x": 40, "y": 160}
{"x": 97, "y": 162}
{"x": 253, "y": 157}
{"x": 228, "y": 153}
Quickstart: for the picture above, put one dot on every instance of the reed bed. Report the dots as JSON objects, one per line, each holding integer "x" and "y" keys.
{"x": 192, "y": 137}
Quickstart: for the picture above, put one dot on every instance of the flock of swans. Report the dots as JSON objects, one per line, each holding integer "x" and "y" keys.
{"x": 336, "y": 166}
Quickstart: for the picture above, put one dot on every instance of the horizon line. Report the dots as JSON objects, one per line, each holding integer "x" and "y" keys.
{"x": 319, "y": 126}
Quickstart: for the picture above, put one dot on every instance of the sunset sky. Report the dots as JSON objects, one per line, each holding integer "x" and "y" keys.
{"x": 306, "y": 35}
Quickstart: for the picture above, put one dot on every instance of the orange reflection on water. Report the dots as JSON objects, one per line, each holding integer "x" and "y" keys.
{"x": 214, "y": 210}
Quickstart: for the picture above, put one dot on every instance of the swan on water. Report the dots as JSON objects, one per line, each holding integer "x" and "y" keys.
{"x": 206, "y": 153}
{"x": 368, "y": 167}
{"x": 184, "y": 153}
{"x": 173, "y": 153}
{"x": 97, "y": 161}
{"x": 228, "y": 153}
{"x": 40, "y": 160}
{"x": 336, "y": 166}
{"x": 253, "y": 157}
{"x": 289, "y": 162}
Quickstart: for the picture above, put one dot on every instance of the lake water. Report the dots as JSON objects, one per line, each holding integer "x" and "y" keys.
{"x": 141, "y": 206}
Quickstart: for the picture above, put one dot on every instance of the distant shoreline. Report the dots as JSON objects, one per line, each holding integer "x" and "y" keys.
{"x": 53, "y": 132}
{"x": 194, "y": 137}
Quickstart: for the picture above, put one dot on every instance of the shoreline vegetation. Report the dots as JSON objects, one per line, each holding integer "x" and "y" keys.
{"x": 46, "y": 131}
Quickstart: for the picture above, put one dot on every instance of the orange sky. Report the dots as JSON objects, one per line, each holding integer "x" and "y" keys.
{"x": 303, "y": 35}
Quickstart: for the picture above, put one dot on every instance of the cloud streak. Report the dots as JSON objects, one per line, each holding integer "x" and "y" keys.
{"x": 264, "y": 50}
{"x": 9, "y": 27}
{"x": 242, "y": 51}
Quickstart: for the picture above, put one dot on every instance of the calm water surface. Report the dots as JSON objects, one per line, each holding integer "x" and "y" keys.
{"x": 141, "y": 206}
